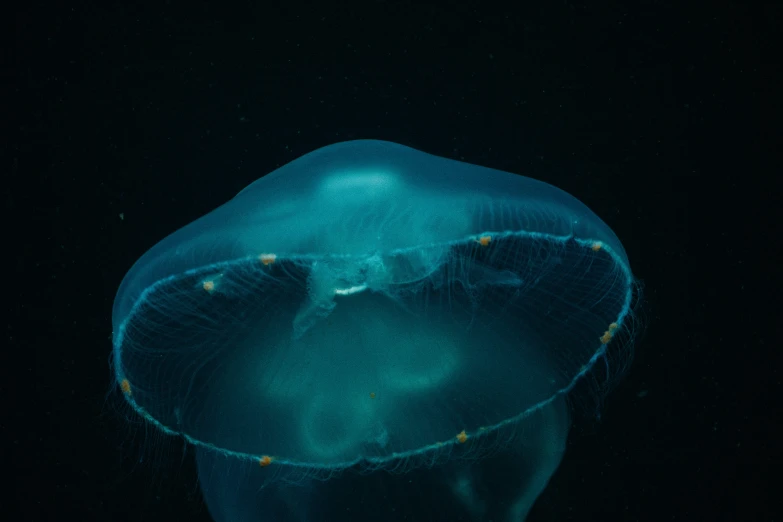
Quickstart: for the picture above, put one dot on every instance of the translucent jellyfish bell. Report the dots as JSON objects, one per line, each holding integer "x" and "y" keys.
{"x": 369, "y": 307}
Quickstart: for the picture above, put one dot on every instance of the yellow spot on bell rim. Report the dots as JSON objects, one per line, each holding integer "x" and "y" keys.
{"x": 265, "y": 461}
{"x": 267, "y": 259}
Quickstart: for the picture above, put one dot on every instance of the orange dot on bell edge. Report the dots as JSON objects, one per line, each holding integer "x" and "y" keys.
{"x": 462, "y": 437}
{"x": 125, "y": 386}
{"x": 484, "y": 240}
{"x": 267, "y": 259}
{"x": 265, "y": 461}
{"x": 596, "y": 246}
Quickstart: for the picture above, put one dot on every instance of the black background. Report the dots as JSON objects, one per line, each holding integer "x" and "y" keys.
{"x": 662, "y": 117}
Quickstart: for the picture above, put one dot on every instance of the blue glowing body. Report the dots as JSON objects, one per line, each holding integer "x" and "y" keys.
{"x": 372, "y": 308}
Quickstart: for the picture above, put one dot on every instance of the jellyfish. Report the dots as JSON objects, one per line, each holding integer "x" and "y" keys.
{"x": 374, "y": 333}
